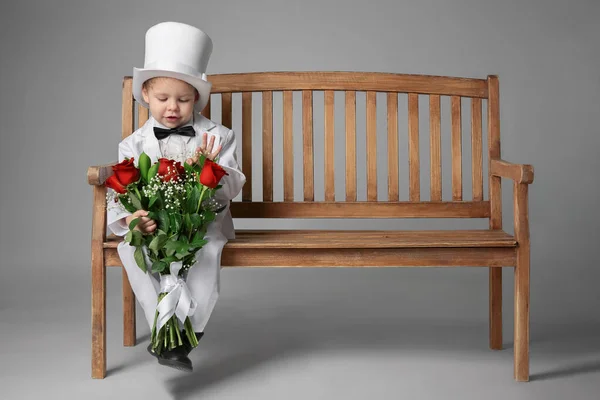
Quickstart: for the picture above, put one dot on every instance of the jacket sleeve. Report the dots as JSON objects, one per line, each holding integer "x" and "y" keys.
{"x": 234, "y": 181}
{"x": 115, "y": 213}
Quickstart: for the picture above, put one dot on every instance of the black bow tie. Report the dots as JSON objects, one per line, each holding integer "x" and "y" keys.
{"x": 161, "y": 133}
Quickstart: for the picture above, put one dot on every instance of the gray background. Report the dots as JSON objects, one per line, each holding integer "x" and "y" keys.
{"x": 61, "y": 65}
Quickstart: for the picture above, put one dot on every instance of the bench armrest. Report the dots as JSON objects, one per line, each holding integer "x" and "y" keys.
{"x": 97, "y": 175}
{"x": 520, "y": 173}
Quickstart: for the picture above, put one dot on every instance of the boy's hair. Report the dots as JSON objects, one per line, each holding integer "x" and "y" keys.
{"x": 148, "y": 84}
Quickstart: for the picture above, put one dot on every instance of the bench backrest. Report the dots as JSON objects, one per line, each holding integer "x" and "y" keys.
{"x": 431, "y": 89}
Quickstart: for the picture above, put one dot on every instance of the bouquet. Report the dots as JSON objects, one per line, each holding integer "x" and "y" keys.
{"x": 181, "y": 199}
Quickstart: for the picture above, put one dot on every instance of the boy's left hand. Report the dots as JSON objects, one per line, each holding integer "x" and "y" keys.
{"x": 206, "y": 149}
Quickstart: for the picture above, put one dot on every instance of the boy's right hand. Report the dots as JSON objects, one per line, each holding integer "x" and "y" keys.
{"x": 145, "y": 224}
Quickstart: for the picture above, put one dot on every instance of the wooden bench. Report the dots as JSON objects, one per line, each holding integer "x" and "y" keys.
{"x": 492, "y": 248}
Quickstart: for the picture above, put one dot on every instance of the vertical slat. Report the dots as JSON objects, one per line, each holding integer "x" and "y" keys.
{"x": 476, "y": 146}
{"x": 435, "y": 148}
{"x": 522, "y": 286}
{"x": 98, "y": 284}
{"x": 371, "y": 146}
{"x": 307, "y": 148}
{"x": 142, "y": 115}
{"x": 206, "y": 110}
{"x": 267, "y": 124}
{"x": 456, "y": 149}
{"x": 495, "y": 198}
{"x": 413, "y": 147}
{"x": 127, "y": 109}
{"x": 288, "y": 147}
{"x": 129, "y": 338}
{"x": 392, "y": 125}
{"x": 247, "y": 145}
{"x": 350, "y": 146}
{"x": 329, "y": 146}
{"x": 226, "y": 110}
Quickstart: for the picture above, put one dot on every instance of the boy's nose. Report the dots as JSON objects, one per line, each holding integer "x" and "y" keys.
{"x": 172, "y": 105}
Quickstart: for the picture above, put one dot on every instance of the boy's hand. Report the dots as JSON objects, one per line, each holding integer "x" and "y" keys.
{"x": 145, "y": 224}
{"x": 206, "y": 149}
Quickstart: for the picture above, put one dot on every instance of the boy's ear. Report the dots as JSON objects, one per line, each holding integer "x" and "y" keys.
{"x": 196, "y": 98}
{"x": 145, "y": 94}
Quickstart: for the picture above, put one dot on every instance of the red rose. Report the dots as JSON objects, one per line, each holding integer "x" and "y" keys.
{"x": 124, "y": 173}
{"x": 169, "y": 169}
{"x": 113, "y": 183}
{"x": 211, "y": 174}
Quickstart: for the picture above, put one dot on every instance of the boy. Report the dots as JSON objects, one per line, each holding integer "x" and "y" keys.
{"x": 173, "y": 86}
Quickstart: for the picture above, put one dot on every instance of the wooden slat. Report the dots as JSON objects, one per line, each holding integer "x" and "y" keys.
{"x": 97, "y": 174}
{"x": 206, "y": 110}
{"x": 360, "y": 210}
{"x": 522, "y": 285}
{"x": 377, "y": 258}
{"x": 371, "y": 146}
{"x": 435, "y": 148}
{"x": 127, "y": 121}
{"x": 247, "y": 145}
{"x": 288, "y": 147}
{"x": 142, "y": 115}
{"x": 413, "y": 148}
{"x": 520, "y": 173}
{"x": 477, "y": 150}
{"x": 329, "y": 146}
{"x": 363, "y": 81}
{"x": 98, "y": 283}
{"x": 495, "y": 187}
{"x": 333, "y": 239}
{"x": 267, "y": 145}
{"x": 456, "y": 149}
{"x": 392, "y": 126}
{"x": 226, "y": 110}
{"x": 307, "y": 148}
{"x": 350, "y": 146}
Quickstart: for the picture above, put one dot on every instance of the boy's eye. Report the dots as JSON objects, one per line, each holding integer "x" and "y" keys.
{"x": 162, "y": 99}
{"x": 184, "y": 100}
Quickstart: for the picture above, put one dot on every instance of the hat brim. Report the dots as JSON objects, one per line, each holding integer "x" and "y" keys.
{"x": 142, "y": 75}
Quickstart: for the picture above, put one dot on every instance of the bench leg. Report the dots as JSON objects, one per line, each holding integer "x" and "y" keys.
{"x": 128, "y": 312}
{"x": 521, "y": 348}
{"x": 495, "y": 328}
{"x": 98, "y": 315}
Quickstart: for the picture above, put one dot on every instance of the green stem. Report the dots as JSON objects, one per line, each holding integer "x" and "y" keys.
{"x": 200, "y": 199}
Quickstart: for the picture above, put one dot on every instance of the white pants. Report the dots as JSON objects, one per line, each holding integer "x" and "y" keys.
{"x": 203, "y": 280}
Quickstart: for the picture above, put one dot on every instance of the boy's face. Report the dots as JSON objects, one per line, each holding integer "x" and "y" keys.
{"x": 171, "y": 101}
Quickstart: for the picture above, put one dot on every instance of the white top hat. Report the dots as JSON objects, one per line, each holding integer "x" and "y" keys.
{"x": 175, "y": 50}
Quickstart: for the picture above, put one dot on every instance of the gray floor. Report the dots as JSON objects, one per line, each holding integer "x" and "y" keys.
{"x": 297, "y": 334}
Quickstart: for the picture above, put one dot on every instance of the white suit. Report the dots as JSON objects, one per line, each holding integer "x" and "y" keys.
{"x": 204, "y": 277}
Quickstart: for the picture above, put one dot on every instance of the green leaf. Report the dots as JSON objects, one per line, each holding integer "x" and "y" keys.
{"x": 159, "y": 266}
{"x": 198, "y": 240}
{"x": 196, "y": 220}
{"x": 124, "y": 199}
{"x": 187, "y": 223}
{"x": 135, "y": 201}
{"x": 133, "y": 223}
{"x": 144, "y": 166}
{"x": 192, "y": 200}
{"x": 158, "y": 243}
{"x": 128, "y": 237}
{"x": 175, "y": 222}
{"x": 152, "y": 200}
{"x": 163, "y": 220}
{"x": 209, "y": 216}
{"x": 152, "y": 171}
{"x": 138, "y": 254}
{"x": 137, "y": 238}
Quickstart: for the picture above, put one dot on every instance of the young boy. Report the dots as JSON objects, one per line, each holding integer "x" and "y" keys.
{"x": 173, "y": 86}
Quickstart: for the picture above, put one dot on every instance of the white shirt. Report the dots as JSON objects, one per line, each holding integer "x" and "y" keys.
{"x": 176, "y": 147}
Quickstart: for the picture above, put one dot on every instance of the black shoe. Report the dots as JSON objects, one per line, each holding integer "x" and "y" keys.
{"x": 188, "y": 346}
{"x": 176, "y": 358}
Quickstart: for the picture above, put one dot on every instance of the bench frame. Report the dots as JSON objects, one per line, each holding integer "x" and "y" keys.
{"x": 103, "y": 249}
